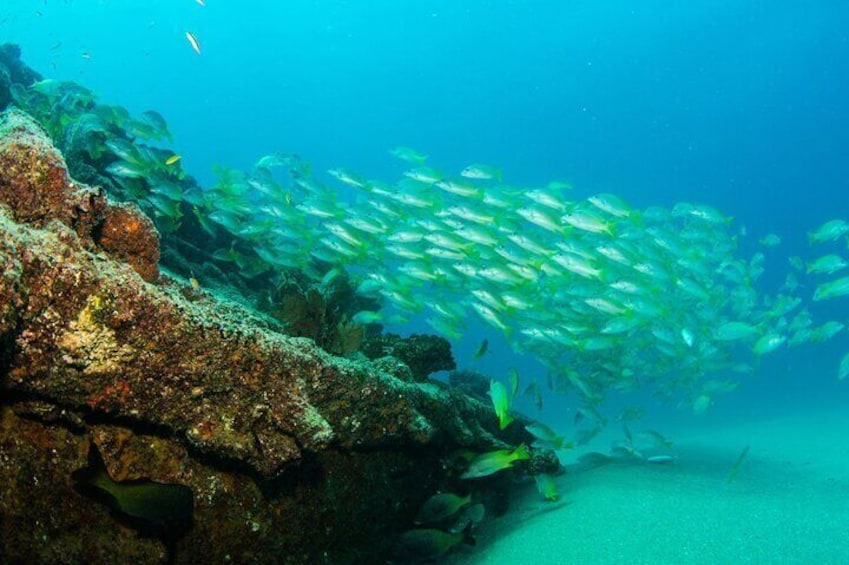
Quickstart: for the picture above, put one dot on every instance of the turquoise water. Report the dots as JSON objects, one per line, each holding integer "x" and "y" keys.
{"x": 740, "y": 106}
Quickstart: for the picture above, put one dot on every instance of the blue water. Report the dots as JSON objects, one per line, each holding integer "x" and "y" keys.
{"x": 740, "y": 105}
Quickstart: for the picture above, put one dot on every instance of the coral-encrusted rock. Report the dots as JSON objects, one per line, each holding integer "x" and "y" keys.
{"x": 470, "y": 383}
{"x": 34, "y": 182}
{"x": 423, "y": 354}
{"x": 10, "y": 296}
{"x": 35, "y": 186}
{"x": 130, "y": 236}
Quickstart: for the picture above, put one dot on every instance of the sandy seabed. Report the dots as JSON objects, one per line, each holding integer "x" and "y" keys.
{"x": 788, "y": 502}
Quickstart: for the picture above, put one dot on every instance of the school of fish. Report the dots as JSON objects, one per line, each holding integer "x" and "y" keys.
{"x": 605, "y": 296}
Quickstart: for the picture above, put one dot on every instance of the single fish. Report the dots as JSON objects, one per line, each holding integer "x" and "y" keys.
{"x": 160, "y": 508}
{"x": 546, "y": 437}
{"x": 770, "y": 240}
{"x": 172, "y": 159}
{"x": 458, "y": 188}
{"x": 732, "y": 331}
{"x": 482, "y": 349}
{"x": 271, "y": 161}
{"x": 541, "y": 218}
{"x": 514, "y": 382}
{"x": 426, "y": 175}
{"x": 481, "y": 172}
{"x": 470, "y": 515}
{"x": 428, "y": 544}
{"x": 439, "y": 507}
{"x": 500, "y": 403}
{"x": 193, "y": 41}
{"x": 408, "y": 154}
{"x": 661, "y": 459}
{"x": 492, "y": 462}
{"x": 701, "y": 403}
{"x": 655, "y": 438}
{"x": 827, "y": 265}
{"x": 126, "y": 170}
{"x": 829, "y": 231}
{"x": 537, "y": 392}
{"x": 827, "y": 331}
{"x": 347, "y": 177}
{"x": 546, "y": 199}
{"x": 839, "y": 287}
{"x": 366, "y": 317}
{"x": 736, "y": 468}
{"x": 125, "y": 150}
{"x": 546, "y": 486}
{"x": 768, "y": 343}
{"x": 843, "y": 370}
{"x": 611, "y": 204}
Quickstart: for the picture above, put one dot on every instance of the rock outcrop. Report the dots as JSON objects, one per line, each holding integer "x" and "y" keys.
{"x": 293, "y": 455}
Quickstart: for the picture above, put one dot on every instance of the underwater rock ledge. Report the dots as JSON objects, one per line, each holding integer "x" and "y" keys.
{"x": 97, "y": 346}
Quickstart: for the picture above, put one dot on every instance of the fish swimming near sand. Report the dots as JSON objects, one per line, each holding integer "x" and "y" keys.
{"x": 492, "y": 462}
{"x": 441, "y": 506}
{"x": 428, "y": 544}
{"x": 732, "y": 475}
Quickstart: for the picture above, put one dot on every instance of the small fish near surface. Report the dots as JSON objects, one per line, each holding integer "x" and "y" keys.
{"x": 153, "y": 508}
{"x": 193, "y": 41}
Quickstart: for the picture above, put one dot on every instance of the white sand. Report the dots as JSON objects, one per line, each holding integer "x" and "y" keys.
{"x": 789, "y": 503}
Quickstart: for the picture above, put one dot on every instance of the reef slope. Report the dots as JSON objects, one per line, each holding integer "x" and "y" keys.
{"x": 293, "y": 455}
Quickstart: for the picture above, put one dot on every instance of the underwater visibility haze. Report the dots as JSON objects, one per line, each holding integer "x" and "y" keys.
{"x": 629, "y": 219}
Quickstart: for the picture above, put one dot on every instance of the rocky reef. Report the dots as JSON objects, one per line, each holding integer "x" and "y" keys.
{"x": 293, "y": 455}
{"x": 423, "y": 354}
